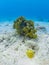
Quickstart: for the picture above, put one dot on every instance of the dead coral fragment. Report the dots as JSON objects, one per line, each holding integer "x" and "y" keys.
{"x": 25, "y": 27}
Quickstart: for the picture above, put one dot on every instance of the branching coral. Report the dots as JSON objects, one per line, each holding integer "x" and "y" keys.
{"x": 25, "y": 27}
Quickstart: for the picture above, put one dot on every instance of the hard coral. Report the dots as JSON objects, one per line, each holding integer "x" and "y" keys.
{"x": 25, "y": 27}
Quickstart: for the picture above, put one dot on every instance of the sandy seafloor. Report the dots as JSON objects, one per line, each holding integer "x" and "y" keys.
{"x": 13, "y": 50}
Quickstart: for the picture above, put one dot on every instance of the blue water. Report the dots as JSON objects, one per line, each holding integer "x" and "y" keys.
{"x": 32, "y": 9}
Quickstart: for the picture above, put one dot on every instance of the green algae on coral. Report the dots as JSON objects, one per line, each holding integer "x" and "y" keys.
{"x": 25, "y": 27}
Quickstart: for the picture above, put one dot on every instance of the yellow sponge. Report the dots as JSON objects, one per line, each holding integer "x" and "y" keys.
{"x": 30, "y": 53}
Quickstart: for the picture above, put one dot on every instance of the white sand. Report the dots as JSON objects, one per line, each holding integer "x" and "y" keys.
{"x": 13, "y": 50}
